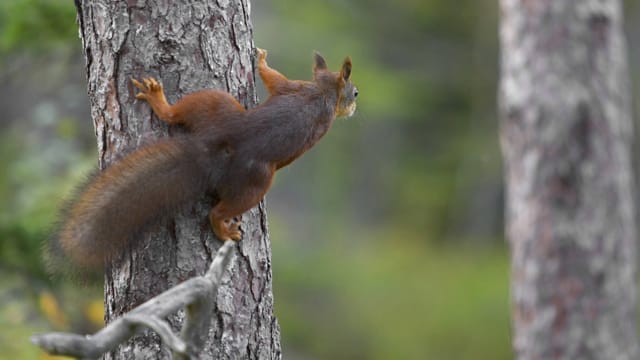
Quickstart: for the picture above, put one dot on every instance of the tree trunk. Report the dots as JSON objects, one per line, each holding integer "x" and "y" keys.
{"x": 566, "y": 135}
{"x": 187, "y": 46}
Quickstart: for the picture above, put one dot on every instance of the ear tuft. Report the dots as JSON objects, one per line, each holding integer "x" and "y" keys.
{"x": 320, "y": 64}
{"x": 345, "y": 73}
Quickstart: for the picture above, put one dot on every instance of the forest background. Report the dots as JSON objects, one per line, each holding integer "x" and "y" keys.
{"x": 388, "y": 236}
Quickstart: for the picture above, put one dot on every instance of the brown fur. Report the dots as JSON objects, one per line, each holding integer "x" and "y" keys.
{"x": 229, "y": 152}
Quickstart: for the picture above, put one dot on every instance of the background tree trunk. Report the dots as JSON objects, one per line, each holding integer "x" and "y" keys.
{"x": 566, "y": 135}
{"x": 187, "y": 46}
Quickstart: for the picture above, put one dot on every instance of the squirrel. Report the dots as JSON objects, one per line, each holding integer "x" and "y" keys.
{"x": 228, "y": 153}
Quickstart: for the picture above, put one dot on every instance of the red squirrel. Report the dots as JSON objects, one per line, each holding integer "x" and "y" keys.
{"x": 228, "y": 153}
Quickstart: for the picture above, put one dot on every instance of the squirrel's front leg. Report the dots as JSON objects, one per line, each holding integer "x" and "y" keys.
{"x": 275, "y": 82}
{"x": 151, "y": 91}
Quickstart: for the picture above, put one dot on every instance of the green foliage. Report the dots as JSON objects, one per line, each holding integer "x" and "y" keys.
{"x": 30, "y": 306}
{"x": 392, "y": 299}
{"x": 36, "y": 24}
{"x": 15, "y": 343}
{"x": 420, "y": 149}
{"x": 36, "y": 176}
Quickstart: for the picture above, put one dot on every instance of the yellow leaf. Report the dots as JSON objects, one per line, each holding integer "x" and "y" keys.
{"x": 45, "y": 356}
{"x": 94, "y": 311}
{"x": 51, "y": 309}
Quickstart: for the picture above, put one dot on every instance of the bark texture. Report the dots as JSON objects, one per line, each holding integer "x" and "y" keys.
{"x": 187, "y": 46}
{"x": 566, "y": 136}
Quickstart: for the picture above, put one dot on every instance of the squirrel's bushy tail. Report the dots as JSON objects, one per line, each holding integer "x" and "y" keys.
{"x": 118, "y": 204}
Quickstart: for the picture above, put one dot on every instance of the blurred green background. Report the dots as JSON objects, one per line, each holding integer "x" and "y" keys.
{"x": 387, "y": 236}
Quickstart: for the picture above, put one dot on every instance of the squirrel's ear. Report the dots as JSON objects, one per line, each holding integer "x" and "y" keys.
{"x": 320, "y": 64}
{"x": 345, "y": 73}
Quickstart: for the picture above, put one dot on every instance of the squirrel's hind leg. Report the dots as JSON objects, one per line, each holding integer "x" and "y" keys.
{"x": 248, "y": 189}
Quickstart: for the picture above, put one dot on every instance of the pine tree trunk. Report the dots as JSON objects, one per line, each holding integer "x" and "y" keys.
{"x": 187, "y": 46}
{"x": 566, "y": 136}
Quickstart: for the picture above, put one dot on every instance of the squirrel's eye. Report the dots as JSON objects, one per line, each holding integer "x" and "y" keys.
{"x": 355, "y": 93}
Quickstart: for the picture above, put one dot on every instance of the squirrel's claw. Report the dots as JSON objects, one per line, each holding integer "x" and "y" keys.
{"x": 146, "y": 87}
{"x": 137, "y": 84}
{"x": 262, "y": 54}
{"x": 141, "y": 95}
{"x": 231, "y": 230}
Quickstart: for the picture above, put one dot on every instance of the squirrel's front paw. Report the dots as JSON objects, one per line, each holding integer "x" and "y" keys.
{"x": 150, "y": 88}
{"x": 262, "y": 54}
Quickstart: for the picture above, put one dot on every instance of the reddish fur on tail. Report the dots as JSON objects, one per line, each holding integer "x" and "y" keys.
{"x": 125, "y": 199}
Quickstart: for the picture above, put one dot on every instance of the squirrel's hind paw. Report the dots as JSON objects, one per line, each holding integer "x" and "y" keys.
{"x": 228, "y": 230}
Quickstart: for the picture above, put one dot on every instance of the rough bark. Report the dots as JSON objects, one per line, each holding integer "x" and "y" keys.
{"x": 566, "y": 135}
{"x": 188, "y": 46}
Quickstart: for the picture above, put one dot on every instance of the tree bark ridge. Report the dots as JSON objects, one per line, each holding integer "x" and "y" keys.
{"x": 187, "y": 46}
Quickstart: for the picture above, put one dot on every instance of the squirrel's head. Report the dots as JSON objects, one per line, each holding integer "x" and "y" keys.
{"x": 340, "y": 82}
